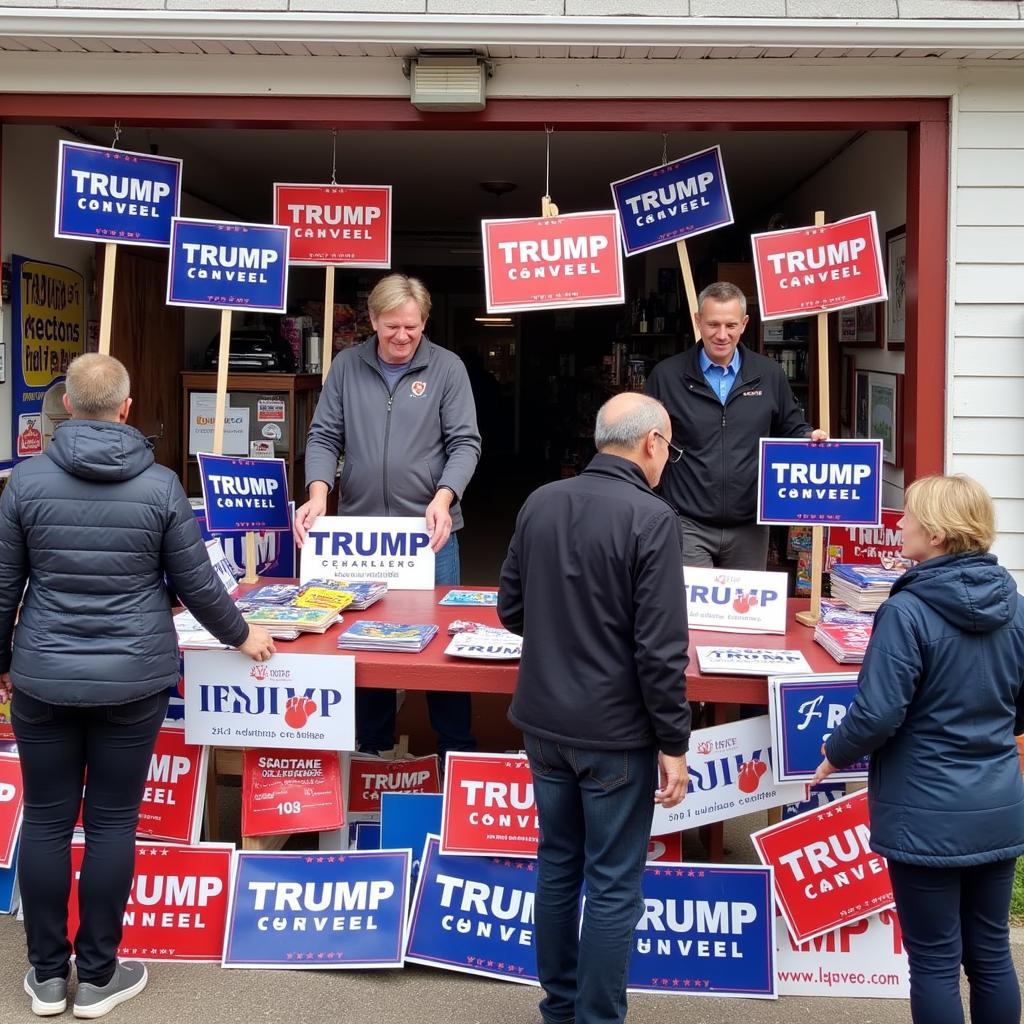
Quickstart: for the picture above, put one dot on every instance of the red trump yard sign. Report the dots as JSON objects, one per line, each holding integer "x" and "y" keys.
{"x": 809, "y": 270}
{"x": 12, "y": 806}
{"x": 865, "y": 545}
{"x": 369, "y": 777}
{"x": 178, "y": 903}
{"x": 172, "y": 802}
{"x": 334, "y": 225}
{"x": 826, "y": 873}
{"x": 552, "y": 262}
{"x": 488, "y": 806}
{"x": 286, "y": 791}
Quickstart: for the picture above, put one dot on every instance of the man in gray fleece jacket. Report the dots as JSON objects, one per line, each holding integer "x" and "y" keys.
{"x": 401, "y": 409}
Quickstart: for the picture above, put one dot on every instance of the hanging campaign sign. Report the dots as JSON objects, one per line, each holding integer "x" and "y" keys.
{"x": 676, "y": 200}
{"x": 275, "y": 552}
{"x": 819, "y": 483}
{"x": 391, "y": 548}
{"x": 805, "y": 711}
{"x": 406, "y": 819}
{"x": 817, "y": 796}
{"x": 750, "y": 661}
{"x": 172, "y": 802}
{"x": 489, "y": 806}
{"x": 221, "y": 264}
{"x": 706, "y": 930}
{"x": 665, "y": 848}
{"x": 813, "y": 269}
{"x": 724, "y": 600}
{"x": 47, "y": 332}
{"x": 178, "y": 903}
{"x": 12, "y": 807}
{"x": 295, "y": 701}
{"x": 369, "y": 778}
{"x": 244, "y": 494}
{"x": 730, "y": 774}
{"x": 474, "y": 915}
{"x": 336, "y": 225}
{"x": 864, "y": 959}
{"x": 865, "y": 545}
{"x": 826, "y": 873}
{"x": 307, "y": 911}
{"x": 284, "y": 792}
{"x": 552, "y": 262}
{"x": 109, "y": 195}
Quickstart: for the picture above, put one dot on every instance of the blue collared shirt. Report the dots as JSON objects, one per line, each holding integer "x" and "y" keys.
{"x": 720, "y": 378}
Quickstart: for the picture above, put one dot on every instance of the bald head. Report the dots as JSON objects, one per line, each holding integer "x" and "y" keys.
{"x": 625, "y": 420}
{"x": 97, "y": 387}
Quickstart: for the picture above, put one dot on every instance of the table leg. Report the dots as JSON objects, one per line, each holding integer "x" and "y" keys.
{"x": 211, "y": 812}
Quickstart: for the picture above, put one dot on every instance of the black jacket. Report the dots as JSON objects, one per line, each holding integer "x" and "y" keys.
{"x": 940, "y": 698}
{"x": 716, "y": 479}
{"x": 592, "y": 584}
{"x": 92, "y": 525}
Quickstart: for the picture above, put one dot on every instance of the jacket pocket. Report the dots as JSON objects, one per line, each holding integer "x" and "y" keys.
{"x": 30, "y": 710}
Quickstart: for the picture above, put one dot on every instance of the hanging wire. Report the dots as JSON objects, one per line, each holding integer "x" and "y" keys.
{"x": 117, "y": 134}
{"x": 334, "y": 156}
{"x": 548, "y": 132}
{"x": 664, "y": 148}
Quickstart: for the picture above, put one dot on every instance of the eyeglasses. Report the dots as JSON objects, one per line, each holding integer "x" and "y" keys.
{"x": 675, "y": 453}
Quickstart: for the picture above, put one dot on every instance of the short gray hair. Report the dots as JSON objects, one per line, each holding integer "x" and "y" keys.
{"x": 631, "y": 427}
{"x": 96, "y": 385}
{"x": 723, "y": 291}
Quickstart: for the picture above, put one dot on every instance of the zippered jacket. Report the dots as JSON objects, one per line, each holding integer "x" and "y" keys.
{"x": 715, "y": 481}
{"x": 400, "y": 446}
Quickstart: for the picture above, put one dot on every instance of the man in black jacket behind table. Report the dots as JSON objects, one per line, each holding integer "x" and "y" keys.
{"x": 722, "y": 399}
{"x": 592, "y": 583}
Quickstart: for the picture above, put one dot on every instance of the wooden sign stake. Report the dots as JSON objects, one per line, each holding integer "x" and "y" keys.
{"x": 107, "y": 300}
{"x": 328, "y": 340}
{"x": 691, "y": 288}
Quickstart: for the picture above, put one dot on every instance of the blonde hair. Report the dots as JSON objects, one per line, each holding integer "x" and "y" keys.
{"x": 96, "y": 385}
{"x": 958, "y": 507}
{"x": 396, "y": 290}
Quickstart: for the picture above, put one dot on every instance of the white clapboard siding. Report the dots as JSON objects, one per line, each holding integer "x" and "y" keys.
{"x": 999, "y": 321}
{"x": 990, "y": 282}
{"x": 990, "y": 244}
{"x": 1002, "y": 129}
{"x": 989, "y": 397}
{"x": 1001, "y": 475}
{"x": 990, "y": 167}
{"x": 1009, "y": 513}
{"x": 975, "y": 435}
{"x": 997, "y": 206}
{"x": 989, "y": 357}
{"x": 1000, "y": 92}
{"x": 1009, "y": 548}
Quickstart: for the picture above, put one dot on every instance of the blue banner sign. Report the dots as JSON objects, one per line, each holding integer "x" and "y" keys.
{"x": 318, "y": 910}
{"x": 675, "y": 201}
{"x": 805, "y": 711}
{"x": 475, "y": 915}
{"x": 275, "y": 552}
{"x": 108, "y": 195}
{"x": 705, "y": 930}
{"x": 406, "y": 819}
{"x": 221, "y": 264}
{"x": 824, "y": 483}
{"x": 244, "y": 494}
{"x": 818, "y": 796}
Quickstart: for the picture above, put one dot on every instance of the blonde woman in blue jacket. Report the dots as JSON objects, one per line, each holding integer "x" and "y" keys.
{"x": 939, "y": 703}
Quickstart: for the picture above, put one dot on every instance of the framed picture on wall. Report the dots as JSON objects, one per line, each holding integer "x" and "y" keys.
{"x": 861, "y": 399}
{"x": 860, "y": 327}
{"x": 896, "y": 280}
{"x": 885, "y": 414}
{"x": 847, "y": 394}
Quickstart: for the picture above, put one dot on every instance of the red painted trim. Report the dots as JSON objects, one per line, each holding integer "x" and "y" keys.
{"x": 927, "y": 239}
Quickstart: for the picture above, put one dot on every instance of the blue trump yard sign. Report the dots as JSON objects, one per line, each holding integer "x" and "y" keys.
{"x": 406, "y": 819}
{"x": 705, "y": 930}
{"x": 318, "y": 910}
{"x": 221, "y": 264}
{"x": 474, "y": 915}
{"x": 674, "y": 201}
{"x": 244, "y": 494}
{"x": 805, "y": 711}
{"x": 823, "y": 483}
{"x": 108, "y": 195}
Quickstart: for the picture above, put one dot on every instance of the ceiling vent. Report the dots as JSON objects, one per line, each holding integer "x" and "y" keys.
{"x": 448, "y": 83}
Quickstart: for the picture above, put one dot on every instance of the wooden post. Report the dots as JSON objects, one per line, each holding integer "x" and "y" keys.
{"x": 812, "y": 616}
{"x": 251, "y": 576}
{"x": 107, "y": 300}
{"x": 691, "y": 288}
{"x": 328, "y": 340}
{"x": 223, "y": 359}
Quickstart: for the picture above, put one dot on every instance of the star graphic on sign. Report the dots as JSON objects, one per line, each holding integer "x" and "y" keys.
{"x": 820, "y": 817}
{"x": 655, "y": 871}
{"x": 490, "y": 963}
{"x": 287, "y": 956}
{"x": 686, "y": 982}
{"x": 828, "y": 814}
{"x": 320, "y": 956}
{"x": 309, "y": 860}
{"x": 164, "y": 852}
{"x": 319, "y": 860}
{"x": 691, "y": 873}
{"x": 675, "y": 983}
{"x": 529, "y": 867}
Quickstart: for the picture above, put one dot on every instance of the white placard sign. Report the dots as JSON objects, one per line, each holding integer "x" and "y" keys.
{"x": 202, "y": 412}
{"x": 730, "y": 768}
{"x": 733, "y": 601}
{"x": 750, "y": 661}
{"x": 864, "y": 958}
{"x": 395, "y": 549}
{"x": 293, "y": 701}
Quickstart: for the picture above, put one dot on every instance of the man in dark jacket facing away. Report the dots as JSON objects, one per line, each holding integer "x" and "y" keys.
{"x": 92, "y": 525}
{"x": 592, "y": 583}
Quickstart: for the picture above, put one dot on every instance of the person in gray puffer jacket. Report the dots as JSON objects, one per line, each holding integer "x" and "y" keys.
{"x": 91, "y": 526}
{"x": 940, "y": 699}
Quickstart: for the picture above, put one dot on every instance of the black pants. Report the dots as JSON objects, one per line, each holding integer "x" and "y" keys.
{"x": 954, "y": 916}
{"x": 57, "y": 746}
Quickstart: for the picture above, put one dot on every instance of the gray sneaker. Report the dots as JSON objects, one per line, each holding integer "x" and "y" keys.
{"x": 92, "y": 1001}
{"x": 48, "y": 997}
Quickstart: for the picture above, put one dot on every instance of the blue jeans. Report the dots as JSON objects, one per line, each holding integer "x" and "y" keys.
{"x": 450, "y": 713}
{"x": 57, "y": 746}
{"x": 595, "y": 809}
{"x": 954, "y": 916}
